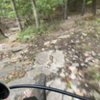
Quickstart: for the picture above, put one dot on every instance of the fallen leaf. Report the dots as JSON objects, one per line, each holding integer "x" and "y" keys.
{"x": 10, "y": 76}
{"x": 51, "y": 58}
{"x": 81, "y": 37}
{"x": 2, "y": 79}
{"x": 5, "y": 53}
{"x": 21, "y": 75}
{"x": 87, "y": 54}
{"x": 66, "y": 79}
{"x": 12, "y": 60}
{"x": 47, "y": 44}
{"x": 12, "y": 73}
{"x": 17, "y": 62}
{"x": 73, "y": 69}
{"x": 53, "y": 8}
{"x": 37, "y": 73}
{"x": 79, "y": 93}
{"x": 48, "y": 62}
{"x": 29, "y": 62}
{"x": 34, "y": 66}
{"x": 24, "y": 50}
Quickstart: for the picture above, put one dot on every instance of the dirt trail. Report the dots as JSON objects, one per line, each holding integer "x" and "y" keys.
{"x": 64, "y": 56}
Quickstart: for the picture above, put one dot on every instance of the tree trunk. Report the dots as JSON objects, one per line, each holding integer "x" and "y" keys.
{"x": 65, "y": 11}
{"x": 16, "y": 15}
{"x": 75, "y": 4}
{"x": 83, "y": 8}
{"x": 63, "y": 8}
{"x": 94, "y": 7}
{"x": 35, "y": 14}
{"x": 3, "y": 34}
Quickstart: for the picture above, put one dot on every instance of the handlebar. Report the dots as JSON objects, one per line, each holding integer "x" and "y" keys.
{"x": 4, "y": 90}
{"x": 48, "y": 88}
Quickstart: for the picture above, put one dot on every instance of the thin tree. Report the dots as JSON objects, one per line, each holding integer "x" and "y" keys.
{"x": 83, "y": 7}
{"x": 65, "y": 10}
{"x": 16, "y": 15}
{"x": 94, "y": 7}
{"x": 35, "y": 14}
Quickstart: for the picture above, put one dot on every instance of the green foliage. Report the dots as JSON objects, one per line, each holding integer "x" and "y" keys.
{"x": 5, "y": 8}
{"x": 11, "y": 14}
{"x": 89, "y": 1}
{"x": 68, "y": 85}
{"x": 98, "y": 20}
{"x": 24, "y": 8}
{"x": 25, "y": 32}
{"x": 52, "y": 27}
{"x": 92, "y": 73}
{"x": 33, "y": 30}
{"x": 87, "y": 32}
{"x": 45, "y": 6}
{"x": 99, "y": 30}
{"x": 1, "y": 38}
{"x": 41, "y": 28}
{"x": 8, "y": 80}
{"x": 95, "y": 36}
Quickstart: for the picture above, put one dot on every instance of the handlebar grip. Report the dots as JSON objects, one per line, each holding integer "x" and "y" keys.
{"x": 4, "y": 90}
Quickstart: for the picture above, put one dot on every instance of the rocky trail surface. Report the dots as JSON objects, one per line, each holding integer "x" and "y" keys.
{"x": 63, "y": 56}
